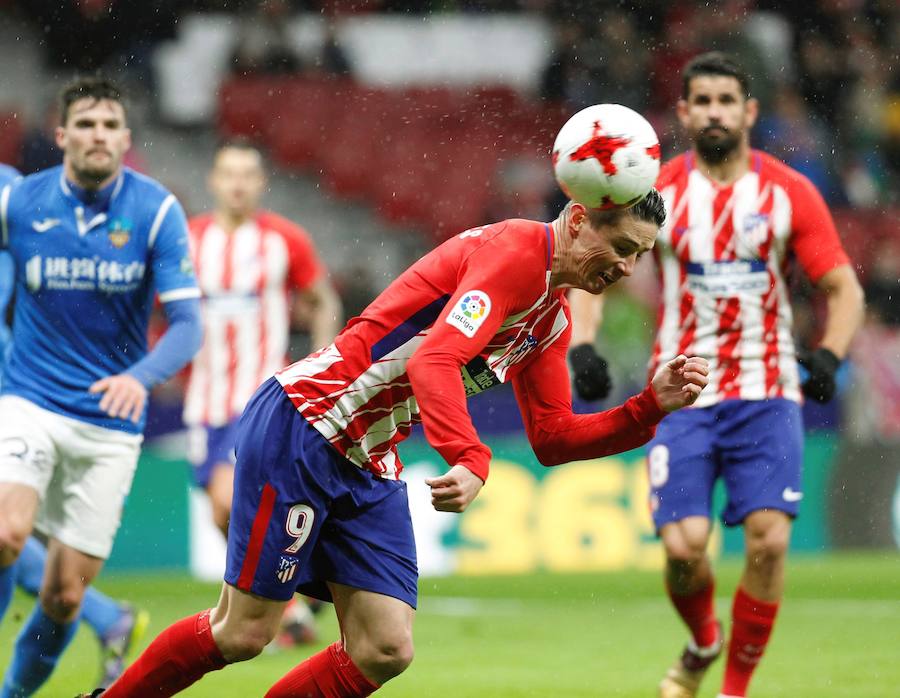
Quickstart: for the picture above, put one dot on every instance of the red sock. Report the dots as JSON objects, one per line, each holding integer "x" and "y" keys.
{"x": 178, "y": 657}
{"x": 329, "y": 674}
{"x": 751, "y": 625}
{"x": 698, "y": 613}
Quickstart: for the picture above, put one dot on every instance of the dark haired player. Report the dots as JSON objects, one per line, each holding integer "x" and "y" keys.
{"x": 93, "y": 243}
{"x": 319, "y": 506}
{"x": 738, "y": 218}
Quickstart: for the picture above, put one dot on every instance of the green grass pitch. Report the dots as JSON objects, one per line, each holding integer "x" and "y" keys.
{"x": 838, "y": 635}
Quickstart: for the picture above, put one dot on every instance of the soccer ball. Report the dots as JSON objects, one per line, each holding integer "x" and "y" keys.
{"x": 606, "y": 157}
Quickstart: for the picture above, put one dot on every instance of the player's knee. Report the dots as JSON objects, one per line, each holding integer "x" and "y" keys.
{"x": 63, "y": 605}
{"x": 12, "y": 540}
{"x": 387, "y": 656}
{"x": 684, "y": 552}
{"x": 244, "y": 641}
{"x": 767, "y": 546}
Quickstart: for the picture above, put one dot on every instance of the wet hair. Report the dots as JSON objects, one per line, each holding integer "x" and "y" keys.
{"x": 90, "y": 87}
{"x": 651, "y": 208}
{"x": 713, "y": 63}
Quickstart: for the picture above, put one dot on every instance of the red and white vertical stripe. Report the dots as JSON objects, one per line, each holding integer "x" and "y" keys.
{"x": 243, "y": 279}
{"x": 745, "y": 335}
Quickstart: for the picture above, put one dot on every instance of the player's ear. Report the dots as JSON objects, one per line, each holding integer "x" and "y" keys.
{"x": 681, "y": 110}
{"x": 577, "y": 214}
{"x": 751, "y": 112}
{"x": 60, "y": 137}
{"x": 127, "y": 135}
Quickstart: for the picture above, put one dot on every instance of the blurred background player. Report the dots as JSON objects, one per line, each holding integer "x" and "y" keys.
{"x": 736, "y": 218}
{"x": 118, "y": 626}
{"x": 92, "y": 242}
{"x": 259, "y": 274}
{"x": 319, "y": 505}
{"x": 590, "y": 371}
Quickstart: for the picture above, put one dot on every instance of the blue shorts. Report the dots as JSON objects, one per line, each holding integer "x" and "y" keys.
{"x": 755, "y": 446}
{"x": 303, "y": 515}
{"x": 209, "y": 448}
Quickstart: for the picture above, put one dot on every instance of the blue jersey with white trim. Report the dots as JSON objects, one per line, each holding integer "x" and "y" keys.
{"x": 7, "y": 278}
{"x": 87, "y": 268}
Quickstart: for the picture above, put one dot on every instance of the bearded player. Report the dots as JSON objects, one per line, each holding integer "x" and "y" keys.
{"x": 738, "y": 219}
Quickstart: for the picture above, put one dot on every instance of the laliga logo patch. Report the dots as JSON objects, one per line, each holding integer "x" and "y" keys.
{"x": 471, "y": 311}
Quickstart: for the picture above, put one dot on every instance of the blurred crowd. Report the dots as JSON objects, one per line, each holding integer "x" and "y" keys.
{"x": 826, "y": 72}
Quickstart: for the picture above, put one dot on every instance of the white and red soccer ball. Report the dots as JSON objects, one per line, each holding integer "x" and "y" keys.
{"x": 606, "y": 157}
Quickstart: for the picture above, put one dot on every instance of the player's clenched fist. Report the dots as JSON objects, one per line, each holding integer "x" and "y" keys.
{"x": 455, "y": 489}
{"x": 678, "y": 383}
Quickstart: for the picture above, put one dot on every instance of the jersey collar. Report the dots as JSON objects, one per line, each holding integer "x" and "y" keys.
{"x": 94, "y": 200}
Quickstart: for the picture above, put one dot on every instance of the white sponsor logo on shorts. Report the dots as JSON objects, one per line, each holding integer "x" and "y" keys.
{"x": 470, "y": 312}
{"x": 791, "y": 495}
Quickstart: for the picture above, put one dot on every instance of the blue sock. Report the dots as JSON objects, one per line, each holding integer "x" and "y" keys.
{"x": 97, "y": 610}
{"x": 100, "y": 612}
{"x": 37, "y": 650}
{"x": 30, "y": 568}
{"x": 7, "y": 584}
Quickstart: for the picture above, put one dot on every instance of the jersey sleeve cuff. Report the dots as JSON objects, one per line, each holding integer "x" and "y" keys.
{"x": 479, "y": 464}
{"x": 645, "y": 408}
{"x": 179, "y": 294}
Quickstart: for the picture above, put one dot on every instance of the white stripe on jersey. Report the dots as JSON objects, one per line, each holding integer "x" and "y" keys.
{"x": 160, "y": 217}
{"x": 179, "y": 294}
{"x": 243, "y": 276}
{"x": 751, "y": 198}
{"x": 4, "y": 206}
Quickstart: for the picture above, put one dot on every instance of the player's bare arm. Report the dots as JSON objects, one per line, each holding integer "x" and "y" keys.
{"x": 322, "y": 305}
{"x": 455, "y": 489}
{"x": 845, "y": 308}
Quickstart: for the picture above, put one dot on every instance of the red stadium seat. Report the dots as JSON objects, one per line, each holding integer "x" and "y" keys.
{"x": 11, "y": 134}
{"x": 301, "y": 123}
{"x": 246, "y": 105}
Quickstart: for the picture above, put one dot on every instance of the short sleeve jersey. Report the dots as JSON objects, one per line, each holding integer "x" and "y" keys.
{"x": 87, "y": 271}
{"x": 482, "y": 301}
{"x": 246, "y": 277}
{"x": 723, "y": 257}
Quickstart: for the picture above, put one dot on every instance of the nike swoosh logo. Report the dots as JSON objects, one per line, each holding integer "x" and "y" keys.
{"x": 45, "y": 225}
{"x": 791, "y": 495}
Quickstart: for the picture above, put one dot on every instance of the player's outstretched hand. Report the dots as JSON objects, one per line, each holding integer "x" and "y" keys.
{"x": 455, "y": 489}
{"x": 678, "y": 383}
{"x": 124, "y": 396}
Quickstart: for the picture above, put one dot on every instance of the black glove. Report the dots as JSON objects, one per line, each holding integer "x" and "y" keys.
{"x": 822, "y": 364}
{"x": 591, "y": 373}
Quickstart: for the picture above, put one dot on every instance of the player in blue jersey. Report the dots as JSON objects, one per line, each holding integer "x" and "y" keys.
{"x": 118, "y": 626}
{"x": 92, "y": 243}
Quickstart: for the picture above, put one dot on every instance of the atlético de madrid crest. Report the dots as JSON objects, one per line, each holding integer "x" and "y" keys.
{"x": 287, "y": 566}
{"x": 119, "y": 232}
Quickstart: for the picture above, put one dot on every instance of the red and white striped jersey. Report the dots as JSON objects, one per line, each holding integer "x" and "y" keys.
{"x": 482, "y": 296}
{"x": 722, "y": 257}
{"x": 473, "y": 313}
{"x": 245, "y": 277}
